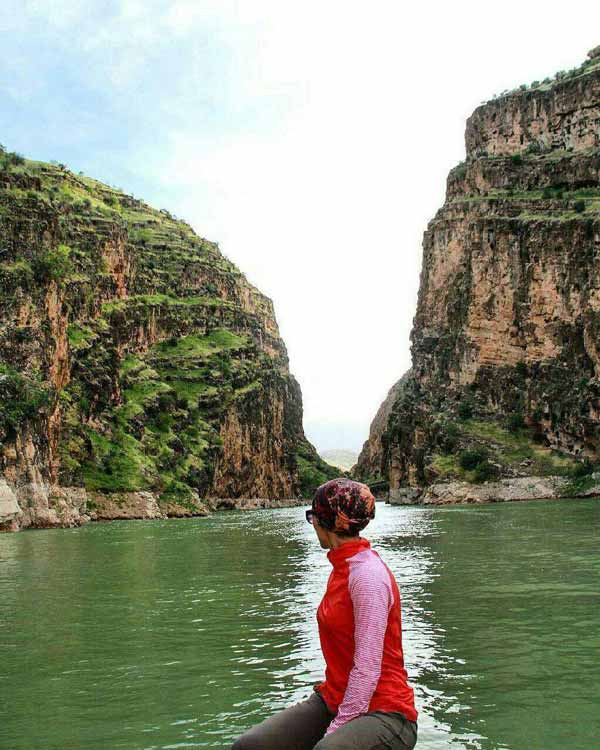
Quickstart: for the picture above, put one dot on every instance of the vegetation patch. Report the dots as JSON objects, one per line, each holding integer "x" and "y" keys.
{"x": 117, "y": 463}
{"x": 80, "y": 336}
{"x": 312, "y": 470}
{"x": 18, "y": 273}
{"x": 53, "y": 265}
{"x": 516, "y": 446}
{"x": 195, "y": 346}
{"x": 21, "y": 398}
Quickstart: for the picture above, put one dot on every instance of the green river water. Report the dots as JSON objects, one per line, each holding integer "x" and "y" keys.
{"x": 183, "y": 633}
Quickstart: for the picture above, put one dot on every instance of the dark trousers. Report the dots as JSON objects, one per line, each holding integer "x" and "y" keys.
{"x": 302, "y": 726}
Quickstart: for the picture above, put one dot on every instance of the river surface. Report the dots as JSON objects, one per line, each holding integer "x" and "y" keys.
{"x": 143, "y": 635}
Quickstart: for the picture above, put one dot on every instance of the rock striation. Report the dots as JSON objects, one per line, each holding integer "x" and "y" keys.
{"x": 141, "y": 374}
{"x": 505, "y": 377}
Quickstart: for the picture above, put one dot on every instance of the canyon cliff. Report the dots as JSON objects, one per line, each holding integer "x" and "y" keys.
{"x": 141, "y": 374}
{"x": 505, "y": 377}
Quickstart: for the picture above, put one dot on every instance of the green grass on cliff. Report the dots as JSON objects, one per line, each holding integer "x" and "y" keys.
{"x": 117, "y": 463}
{"x": 447, "y": 465}
{"x": 554, "y": 203}
{"x": 514, "y": 448}
{"x": 151, "y": 300}
{"x": 510, "y": 450}
{"x": 80, "y": 336}
{"x": 142, "y": 396}
{"x": 194, "y": 346}
{"x": 192, "y": 391}
{"x": 18, "y": 273}
{"x": 22, "y": 397}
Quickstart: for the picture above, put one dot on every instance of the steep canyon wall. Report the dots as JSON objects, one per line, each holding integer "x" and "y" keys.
{"x": 505, "y": 380}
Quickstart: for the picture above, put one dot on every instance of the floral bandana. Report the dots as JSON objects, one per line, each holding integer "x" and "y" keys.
{"x": 343, "y": 505}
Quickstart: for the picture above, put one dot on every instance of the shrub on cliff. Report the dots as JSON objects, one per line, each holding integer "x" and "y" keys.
{"x": 465, "y": 409}
{"x": 521, "y": 369}
{"x": 21, "y": 398}
{"x": 515, "y": 422}
{"x": 444, "y": 433}
{"x": 53, "y": 265}
{"x": 484, "y": 471}
{"x": 533, "y": 148}
{"x": 583, "y": 469}
{"x": 470, "y": 458}
{"x": 579, "y": 206}
{"x": 9, "y": 158}
{"x": 475, "y": 461}
{"x": 582, "y": 477}
{"x": 537, "y": 414}
{"x": 141, "y": 235}
{"x": 460, "y": 170}
{"x": 113, "y": 201}
{"x": 447, "y": 437}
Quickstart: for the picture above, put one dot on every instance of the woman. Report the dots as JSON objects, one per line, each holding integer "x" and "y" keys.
{"x": 365, "y": 701}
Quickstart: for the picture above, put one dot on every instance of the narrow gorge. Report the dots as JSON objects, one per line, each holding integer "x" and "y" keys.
{"x": 141, "y": 374}
{"x": 503, "y": 397}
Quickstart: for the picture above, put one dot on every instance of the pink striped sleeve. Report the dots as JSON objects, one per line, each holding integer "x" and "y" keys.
{"x": 372, "y": 599}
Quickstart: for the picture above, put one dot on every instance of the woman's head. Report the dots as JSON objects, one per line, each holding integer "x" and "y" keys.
{"x": 343, "y": 506}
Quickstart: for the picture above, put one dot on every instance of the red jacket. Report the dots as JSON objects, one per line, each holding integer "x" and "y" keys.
{"x": 364, "y": 666}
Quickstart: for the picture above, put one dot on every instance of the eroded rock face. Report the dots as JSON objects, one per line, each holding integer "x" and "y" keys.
{"x": 502, "y": 491}
{"x": 506, "y": 336}
{"x": 10, "y": 509}
{"x": 371, "y": 457}
{"x": 44, "y": 506}
{"x": 140, "y": 372}
{"x": 562, "y": 116}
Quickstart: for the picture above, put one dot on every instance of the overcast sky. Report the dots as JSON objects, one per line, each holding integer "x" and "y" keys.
{"x": 311, "y": 140}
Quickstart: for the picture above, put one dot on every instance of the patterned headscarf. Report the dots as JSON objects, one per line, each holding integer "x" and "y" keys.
{"x": 343, "y": 505}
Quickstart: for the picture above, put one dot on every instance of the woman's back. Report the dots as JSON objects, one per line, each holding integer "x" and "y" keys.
{"x": 360, "y": 629}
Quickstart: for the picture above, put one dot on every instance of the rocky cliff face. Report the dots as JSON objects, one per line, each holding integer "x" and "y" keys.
{"x": 506, "y": 337}
{"x": 369, "y": 464}
{"x": 140, "y": 373}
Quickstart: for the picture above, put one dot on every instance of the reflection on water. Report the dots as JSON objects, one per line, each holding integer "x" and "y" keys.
{"x": 175, "y": 634}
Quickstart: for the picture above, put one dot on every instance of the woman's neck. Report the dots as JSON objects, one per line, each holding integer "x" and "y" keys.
{"x": 337, "y": 541}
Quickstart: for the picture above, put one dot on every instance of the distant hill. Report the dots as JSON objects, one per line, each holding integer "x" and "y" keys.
{"x": 343, "y": 458}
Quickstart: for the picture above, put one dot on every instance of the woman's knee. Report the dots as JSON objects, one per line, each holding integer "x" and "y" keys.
{"x": 329, "y": 742}
{"x": 304, "y": 722}
{"x": 367, "y": 731}
{"x": 247, "y": 742}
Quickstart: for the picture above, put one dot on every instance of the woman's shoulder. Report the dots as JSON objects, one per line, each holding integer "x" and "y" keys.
{"x": 366, "y": 568}
{"x": 370, "y": 586}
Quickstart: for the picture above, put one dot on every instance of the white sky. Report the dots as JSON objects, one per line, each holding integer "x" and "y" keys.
{"x": 310, "y": 139}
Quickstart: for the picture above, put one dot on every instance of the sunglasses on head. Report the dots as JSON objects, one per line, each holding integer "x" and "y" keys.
{"x": 309, "y": 515}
